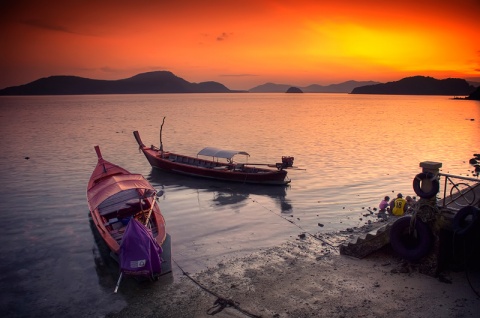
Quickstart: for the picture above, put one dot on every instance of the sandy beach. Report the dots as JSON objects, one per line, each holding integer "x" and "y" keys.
{"x": 307, "y": 277}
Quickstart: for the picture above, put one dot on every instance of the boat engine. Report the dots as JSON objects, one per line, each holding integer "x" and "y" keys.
{"x": 287, "y": 161}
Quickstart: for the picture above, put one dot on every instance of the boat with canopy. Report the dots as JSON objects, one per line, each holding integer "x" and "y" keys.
{"x": 221, "y": 165}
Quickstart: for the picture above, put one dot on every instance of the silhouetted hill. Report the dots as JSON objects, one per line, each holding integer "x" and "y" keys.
{"x": 145, "y": 83}
{"x": 419, "y": 85}
{"x": 270, "y": 88}
{"x": 294, "y": 90}
{"x": 475, "y": 95}
{"x": 345, "y": 87}
{"x": 473, "y": 83}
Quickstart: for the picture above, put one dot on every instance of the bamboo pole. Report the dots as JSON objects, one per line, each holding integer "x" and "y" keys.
{"x": 161, "y": 128}
{"x": 118, "y": 282}
{"x": 151, "y": 209}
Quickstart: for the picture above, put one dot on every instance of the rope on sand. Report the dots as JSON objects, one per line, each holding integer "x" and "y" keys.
{"x": 221, "y": 303}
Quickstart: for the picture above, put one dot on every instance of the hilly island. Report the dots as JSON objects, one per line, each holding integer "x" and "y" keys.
{"x": 163, "y": 82}
{"x": 157, "y": 82}
{"x": 419, "y": 85}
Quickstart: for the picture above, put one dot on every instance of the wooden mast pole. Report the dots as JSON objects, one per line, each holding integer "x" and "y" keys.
{"x": 161, "y": 128}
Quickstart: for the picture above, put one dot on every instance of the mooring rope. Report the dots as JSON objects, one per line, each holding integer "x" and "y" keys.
{"x": 466, "y": 261}
{"x": 303, "y": 230}
{"x": 221, "y": 303}
{"x": 467, "y": 257}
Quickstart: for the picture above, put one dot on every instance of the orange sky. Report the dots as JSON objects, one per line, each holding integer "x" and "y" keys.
{"x": 240, "y": 44}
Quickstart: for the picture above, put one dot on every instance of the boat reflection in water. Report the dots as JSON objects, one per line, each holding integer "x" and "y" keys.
{"x": 224, "y": 193}
{"x": 106, "y": 267}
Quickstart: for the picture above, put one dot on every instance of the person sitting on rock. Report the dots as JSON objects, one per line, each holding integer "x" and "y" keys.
{"x": 398, "y": 206}
{"x": 384, "y": 204}
{"x": 410, "y": 203}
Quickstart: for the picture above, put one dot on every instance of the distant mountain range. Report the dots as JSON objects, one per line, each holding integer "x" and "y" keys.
{"x": 146, "y": 83}
{"x": 475, "y": 95}
{"x": 345, "y": 87}
{"x": 419, "y": 85}
{"x": 159, "y": 82}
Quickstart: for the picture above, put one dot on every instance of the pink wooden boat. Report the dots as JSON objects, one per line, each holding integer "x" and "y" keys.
{"x": 126, "y": 214}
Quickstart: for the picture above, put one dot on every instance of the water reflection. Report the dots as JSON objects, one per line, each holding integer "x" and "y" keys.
{"x": 106, "y": 267}
{"x": 224, "y": 193}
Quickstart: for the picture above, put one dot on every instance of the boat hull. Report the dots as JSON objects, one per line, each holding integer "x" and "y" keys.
{"x": 196, "y": 167}
{"x": 115, "y": 198}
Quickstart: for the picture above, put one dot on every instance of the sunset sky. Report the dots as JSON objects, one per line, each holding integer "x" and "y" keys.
{"x": 242, "y": 43}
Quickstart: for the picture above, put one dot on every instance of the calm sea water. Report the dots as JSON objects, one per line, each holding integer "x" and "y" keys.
{"x": 350, "y": 150}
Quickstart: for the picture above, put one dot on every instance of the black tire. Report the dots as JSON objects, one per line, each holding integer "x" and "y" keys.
{"x": 410, "y": 246}
{"x": 417, "y": 187}
{"x": 465, "y": 220}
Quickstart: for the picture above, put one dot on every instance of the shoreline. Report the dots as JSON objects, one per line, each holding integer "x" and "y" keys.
{"x": 307, "y": 277}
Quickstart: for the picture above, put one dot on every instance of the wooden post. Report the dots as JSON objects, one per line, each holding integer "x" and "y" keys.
{"x": 161, "y": 142}
{"x": 433, "y": 168}
{"x": 430, "y": 263}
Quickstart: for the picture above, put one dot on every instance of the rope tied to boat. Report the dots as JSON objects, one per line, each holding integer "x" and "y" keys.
{"x": 220, "y": 303}
{"x": 336, "y": 247}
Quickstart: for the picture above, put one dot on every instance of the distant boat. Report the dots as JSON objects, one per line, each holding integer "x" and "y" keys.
{"x": 126, "y": 214}
{"x": 228, "y": 170}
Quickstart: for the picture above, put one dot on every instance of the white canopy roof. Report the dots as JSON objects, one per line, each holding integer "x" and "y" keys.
{"x": 220, "y": 153}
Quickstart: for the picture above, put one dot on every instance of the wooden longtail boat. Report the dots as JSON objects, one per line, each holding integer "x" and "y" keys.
{"x": 214, "y": 169}
{"x": 126, "y": 214}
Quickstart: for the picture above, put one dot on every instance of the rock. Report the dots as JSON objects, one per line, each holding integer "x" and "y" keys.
{"x": 294, "y": 90}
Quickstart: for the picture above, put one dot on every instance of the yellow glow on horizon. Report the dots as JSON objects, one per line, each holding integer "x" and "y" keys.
{"x": 407, "y": 49}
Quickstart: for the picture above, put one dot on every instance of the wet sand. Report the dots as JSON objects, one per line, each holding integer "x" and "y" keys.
{"x": 307, "y": 277}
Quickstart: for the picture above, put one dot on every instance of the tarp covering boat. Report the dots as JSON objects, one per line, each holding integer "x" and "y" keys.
{"x": 220, "y": 153}
{"x": 139, "y": 252}
{"x": 114, "y": 185}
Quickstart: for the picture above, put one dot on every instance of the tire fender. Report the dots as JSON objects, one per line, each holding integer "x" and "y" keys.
{"x": 417, "y": 185}
{"x": 410, "y": 246}
{"x": 465, "y": 220}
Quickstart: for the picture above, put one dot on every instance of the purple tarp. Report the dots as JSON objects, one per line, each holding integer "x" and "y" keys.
{"x": 139, "y": 252}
